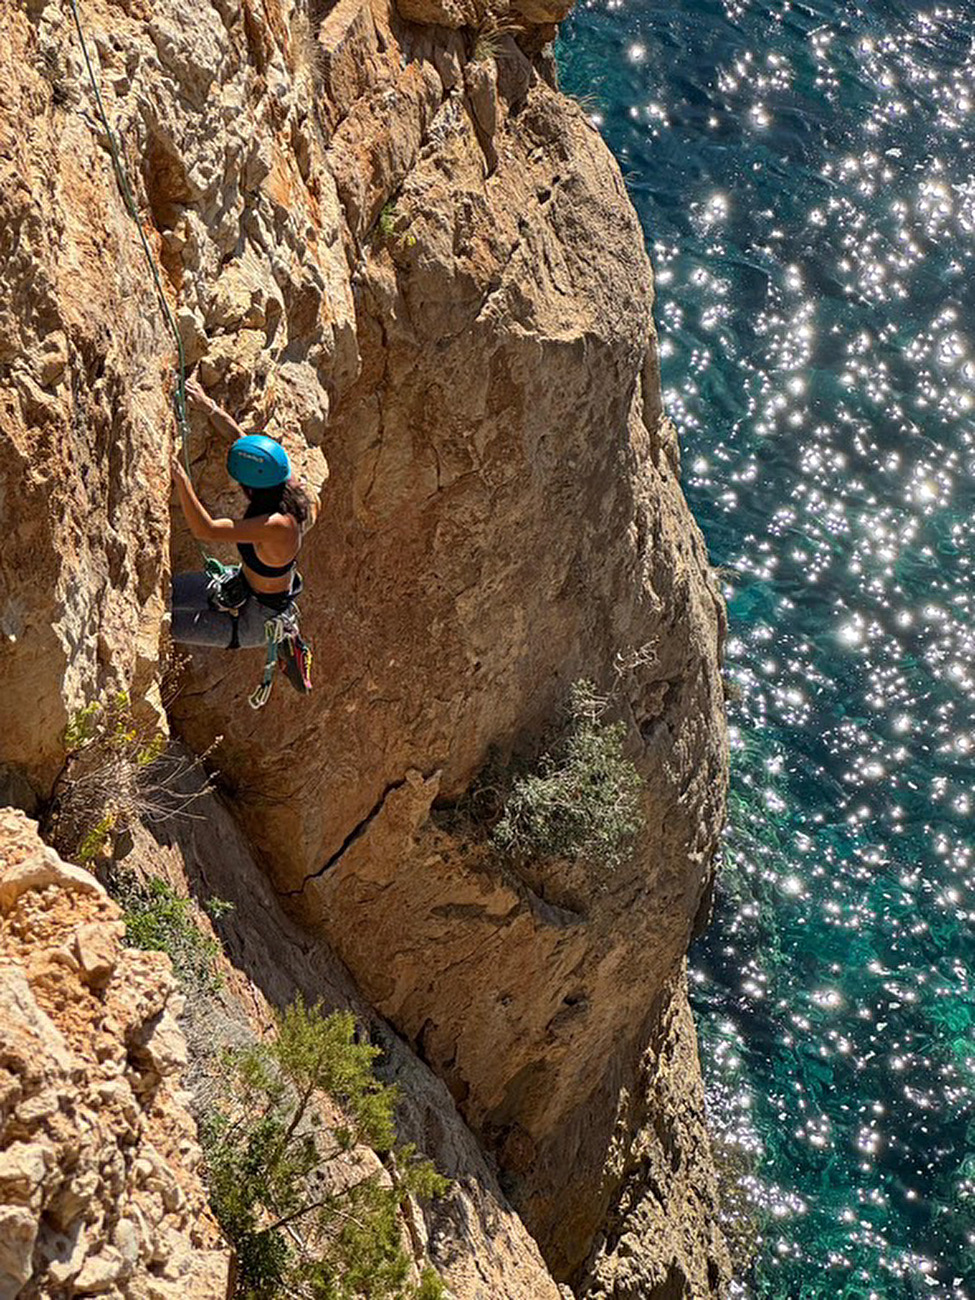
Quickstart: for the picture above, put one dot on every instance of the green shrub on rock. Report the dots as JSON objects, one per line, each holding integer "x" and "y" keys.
{"x": 431, "y": 1286}
{"x": 118, "y": 771}
{"x": 306, "y": 1216}
{"x": 160, "y": 920}
{"x": 582, "y": 797}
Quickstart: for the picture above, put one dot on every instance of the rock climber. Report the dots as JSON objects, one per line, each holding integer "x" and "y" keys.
{"x": 231, "y": 607}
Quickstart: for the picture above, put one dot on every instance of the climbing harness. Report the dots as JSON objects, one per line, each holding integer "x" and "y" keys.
{"x": 179, "y": 397}
{"x": 228, "y": 590}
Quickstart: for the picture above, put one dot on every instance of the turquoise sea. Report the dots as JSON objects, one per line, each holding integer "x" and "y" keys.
{"x": 805, "y": 173}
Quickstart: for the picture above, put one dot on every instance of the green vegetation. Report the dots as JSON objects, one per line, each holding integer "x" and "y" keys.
{"x": 103, "y": 784}
{"x": 218, "y": 907}
{"x": 394, "y": 225}
{"x": 110, "y": 722}
{"x": 305, "y": 54}
{"x": 160, "y": 920}
{"x": 310, "y": 1212}
{"x": 486, "y": 47}
{"x": 96, "y": 837}
{"x": 582, "y": 797}
{"x": 117, "y": 771}
{"x": 489, "y": 41}
{"x": 587, "y": 101}
{"x": 431, "y": 1286}
{"x": 306, "y": 1216}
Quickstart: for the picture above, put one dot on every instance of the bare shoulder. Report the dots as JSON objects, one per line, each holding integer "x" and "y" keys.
{"x": 282, "y": 523}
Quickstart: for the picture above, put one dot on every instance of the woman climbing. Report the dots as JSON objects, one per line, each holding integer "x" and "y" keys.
{"x": 253, "y": 603}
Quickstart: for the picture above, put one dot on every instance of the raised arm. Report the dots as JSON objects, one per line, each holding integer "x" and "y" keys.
{"x": 282, "y": 531}
{"x": 217, "y": 416}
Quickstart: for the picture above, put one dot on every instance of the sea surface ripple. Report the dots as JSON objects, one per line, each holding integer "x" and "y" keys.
{"x": 805, "y": 173}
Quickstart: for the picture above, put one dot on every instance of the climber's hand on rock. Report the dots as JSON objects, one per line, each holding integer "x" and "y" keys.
{"x": 195, "y": 393}
{"x": 178, "y": 469}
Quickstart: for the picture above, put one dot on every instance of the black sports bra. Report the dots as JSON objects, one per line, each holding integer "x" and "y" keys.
{"x": 250, "y": 557}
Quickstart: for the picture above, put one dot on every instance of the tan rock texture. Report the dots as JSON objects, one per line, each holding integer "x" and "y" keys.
{"x": 472, "y": 1236}
{"x": 98, "y": 1189}
{"x": 390, "y": 241}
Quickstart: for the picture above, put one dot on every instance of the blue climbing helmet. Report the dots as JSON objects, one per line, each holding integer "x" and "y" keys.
{"x": 257, "y": 461}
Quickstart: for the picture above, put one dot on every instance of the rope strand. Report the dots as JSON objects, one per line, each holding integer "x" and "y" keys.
{"x": 179, "y": 397}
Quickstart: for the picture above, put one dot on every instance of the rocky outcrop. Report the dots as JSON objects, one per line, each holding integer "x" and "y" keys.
{"x": 390, "y": 241}
{"x": 659, "y": 1237}
{"x": 98, "y": 1189}
{"x": 474, "y": 1238}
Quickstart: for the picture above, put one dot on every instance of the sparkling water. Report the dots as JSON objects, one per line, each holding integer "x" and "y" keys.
{"x": 805, "y": 174}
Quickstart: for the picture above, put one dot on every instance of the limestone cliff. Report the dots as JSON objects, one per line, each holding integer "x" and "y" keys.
{"x": 98, "y": 1189}
{"x": 390, "y": 241}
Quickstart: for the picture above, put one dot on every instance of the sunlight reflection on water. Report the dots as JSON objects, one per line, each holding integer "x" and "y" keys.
{"x": 806, "y": 178}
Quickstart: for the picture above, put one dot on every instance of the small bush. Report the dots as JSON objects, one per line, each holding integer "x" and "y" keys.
{"x": 218, "y": 907}
{"x": 489, "y": 41}
{"x": 486, "y": 47}
{"x": 582, "y": 798}
{"x": 116, "y": 772}
{"x": 431, "y": 1286}
{"x": 305, "y": 54}
{"x": 394, "y": 225}
{"x": 160, "y": 920}
{"x": 271, "y": 1167}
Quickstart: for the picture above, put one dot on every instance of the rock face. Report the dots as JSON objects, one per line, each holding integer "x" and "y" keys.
{"x": 82, "y": 364}
{"x": 98, "y": 1194}
{"x": 474, "y": 1238}
{"x": 390, "y": 241}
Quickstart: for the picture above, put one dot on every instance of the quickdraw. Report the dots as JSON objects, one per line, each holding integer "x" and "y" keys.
{"x": 229, "y": 591}
{"x": 286, "y": 650}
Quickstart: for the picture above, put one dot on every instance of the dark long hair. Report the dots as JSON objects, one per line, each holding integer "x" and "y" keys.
{"x": 286, "y": 498}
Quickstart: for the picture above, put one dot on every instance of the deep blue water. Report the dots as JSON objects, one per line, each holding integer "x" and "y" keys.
{"x": 805, "y": 174}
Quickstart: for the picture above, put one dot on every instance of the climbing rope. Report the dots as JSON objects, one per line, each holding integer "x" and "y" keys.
{"x": 283, "y": 630}
{"x": 179, "y": 398}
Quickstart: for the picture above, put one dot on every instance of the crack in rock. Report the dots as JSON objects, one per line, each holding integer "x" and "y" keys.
{"x": 354, "y": 834}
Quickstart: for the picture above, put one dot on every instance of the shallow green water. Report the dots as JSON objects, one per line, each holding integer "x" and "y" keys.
{"x": 806, "y": 177}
